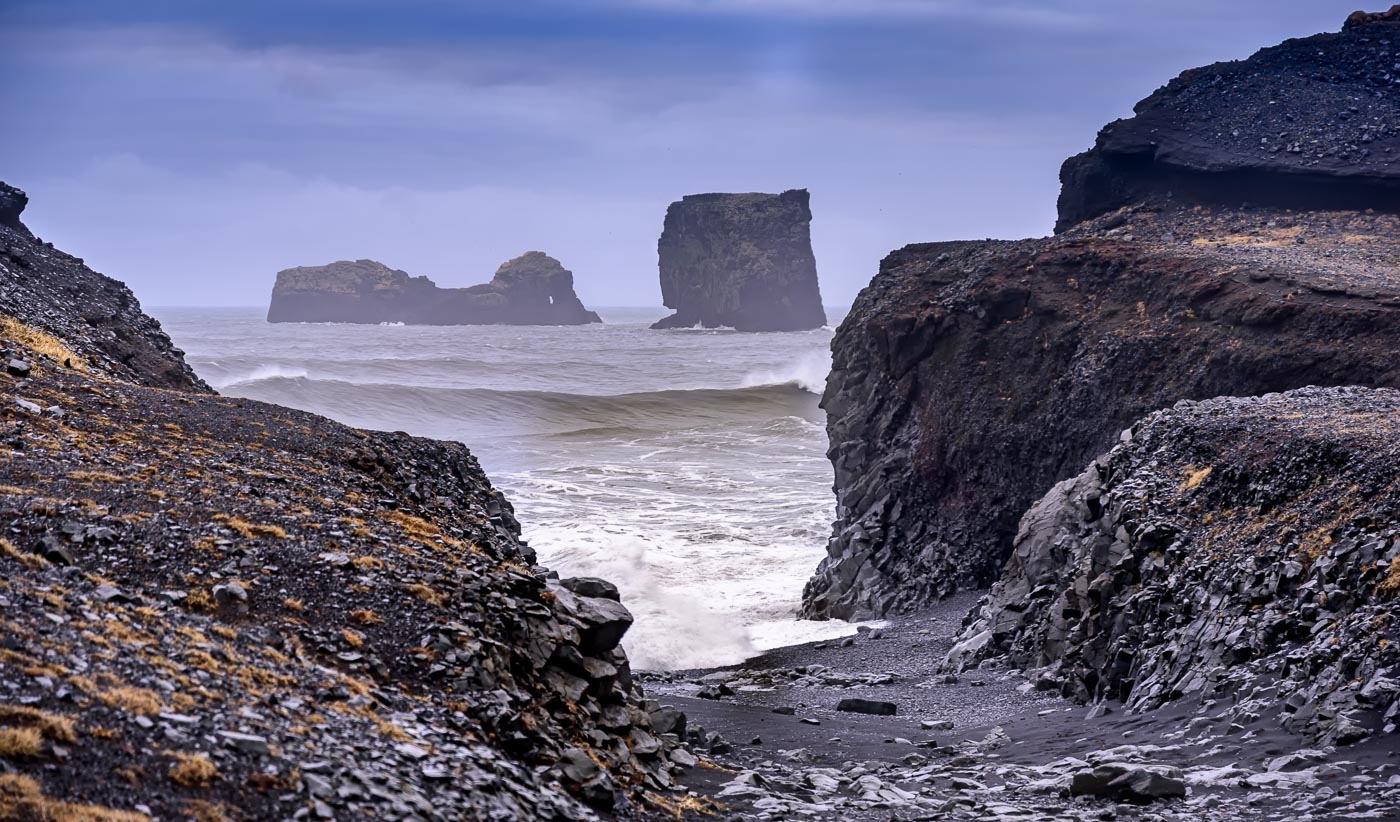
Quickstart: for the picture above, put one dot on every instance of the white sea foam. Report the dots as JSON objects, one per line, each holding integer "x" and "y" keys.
{"x": 263, "y": 372}
{"x": 808, "y": 372}
{"x": 628, "y": 454}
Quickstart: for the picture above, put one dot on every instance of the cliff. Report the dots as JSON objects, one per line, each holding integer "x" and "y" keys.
{"x": 969, "y": 377}
{"x": 218, "y": 608}
{"x": 1236, "y": 553}
{"x": 1311, "y": 123}
{"x": 532, "y": 289}
{"x": 740, "y": 260}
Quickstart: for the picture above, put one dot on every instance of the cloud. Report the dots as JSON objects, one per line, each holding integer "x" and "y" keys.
{"x": 1043, "y": 15}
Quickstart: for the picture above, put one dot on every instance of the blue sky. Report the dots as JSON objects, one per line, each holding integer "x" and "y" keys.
{"x": 193, "y": 148}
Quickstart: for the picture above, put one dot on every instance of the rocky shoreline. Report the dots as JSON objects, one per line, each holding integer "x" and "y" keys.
{"x": 992, "y": 743}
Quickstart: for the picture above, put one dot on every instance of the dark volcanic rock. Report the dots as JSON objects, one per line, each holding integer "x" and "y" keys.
{"x": 740, "y": 260}
{"x": 1311, "y": 123}
{"x": 970, "y": 377}
{"x": 1234, "y": 552}
{"x": 92, "y": 321}
{"x": 867, "y": 706}
{"x": 249, "y": 611}
{"x": 533, "y": 289}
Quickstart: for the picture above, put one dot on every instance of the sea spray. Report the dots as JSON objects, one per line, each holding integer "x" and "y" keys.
{"x": 688, "y": 468}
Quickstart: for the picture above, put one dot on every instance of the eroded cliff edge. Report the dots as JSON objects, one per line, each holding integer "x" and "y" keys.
{"x": 1238, "y": 553}
{"x": 213, "y": 607}
{"x": 532, "y": 289}
{"x": 740, "y": 260}
{"x": 1311, "y": 123}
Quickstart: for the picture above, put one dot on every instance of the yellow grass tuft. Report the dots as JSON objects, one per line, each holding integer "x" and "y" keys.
{"x": 293, "y": 604}
{"x": 426, "y": 593}
{"x": 20, "y": 743}
{"x": 55, "y": 727}
{"x": 41, "y": 342}
{"x": 249, "y": 530}
{"x": 95, "y": 476}
{"x": 193, "y": 771}
{"x": 31, "y": 561}
{"x": 132, "y": 700}
{"x": 364, "y": 617}
{"x": 23, "y": 800}
{"x": 1194, "y": 477}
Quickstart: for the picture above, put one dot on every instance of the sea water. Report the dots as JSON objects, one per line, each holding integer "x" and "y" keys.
{"x": 686, "y": 466}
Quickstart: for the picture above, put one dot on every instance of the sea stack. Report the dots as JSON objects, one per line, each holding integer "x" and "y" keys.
{"x": 740, "y": 260}
{"x": 970, "y": 377}
{"x": 532, "y": 289}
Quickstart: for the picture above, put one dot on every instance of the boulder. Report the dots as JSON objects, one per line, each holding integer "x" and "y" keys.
{"x": 532, "y": 289}
{"x": 1129, "y": 782}
{"x": 867, "y": 706}
{"x": 740, "y": 260}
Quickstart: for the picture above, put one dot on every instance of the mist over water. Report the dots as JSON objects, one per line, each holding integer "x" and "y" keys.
{"x": 688, "y": 467}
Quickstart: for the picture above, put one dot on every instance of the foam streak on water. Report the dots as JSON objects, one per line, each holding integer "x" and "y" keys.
{"x": 688, "y": 467}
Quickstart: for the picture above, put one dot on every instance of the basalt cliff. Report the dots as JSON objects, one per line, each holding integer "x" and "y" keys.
{"x": 1239, "y": 554}
{"x": 740, "y": 260}
{"x": 970, "y": 377}
{"x": 532, "y": 289}
{"x": 214, "y": 608}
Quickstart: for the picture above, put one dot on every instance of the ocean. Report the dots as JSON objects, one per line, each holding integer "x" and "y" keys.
{"x": 688, "y": 467}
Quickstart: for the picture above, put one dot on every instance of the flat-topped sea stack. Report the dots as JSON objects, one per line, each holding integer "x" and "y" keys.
{"x": 532, "y": 289}
{"x": 970, "y": 377}
{"x": 742, "y": 261}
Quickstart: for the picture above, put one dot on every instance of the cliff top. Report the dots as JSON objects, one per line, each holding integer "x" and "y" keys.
{"x": 345, "y": 277}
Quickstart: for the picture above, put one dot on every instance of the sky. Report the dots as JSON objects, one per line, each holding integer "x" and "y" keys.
{"x": 193, "y": 148}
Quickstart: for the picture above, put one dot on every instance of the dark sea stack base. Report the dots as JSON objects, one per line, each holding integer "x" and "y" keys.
{"x": 219, "y": 608}
{"x": 1239, "y": 552}
{"x": 1313, "y": 123}
{"x": 532, "y": 289}
{"x": 742, "y": 261}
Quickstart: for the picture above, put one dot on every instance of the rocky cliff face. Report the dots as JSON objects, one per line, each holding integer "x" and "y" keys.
{"x": 740, "y": 260}
{"x": 217, "y": 608}
{"x": 970, "y": 377}
{"x": 1235, "y": 552}
{"x": 1311, "y": 123}
{"x": 533, "y": 289}
{"x": 98, "y": 319}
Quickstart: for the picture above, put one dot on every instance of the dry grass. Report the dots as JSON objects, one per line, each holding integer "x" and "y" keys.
{"x": 132, "y": 700}
{"x": 426, "y": 593}
{"x": 364, "y": 617}
{"x": 420, "y": 530}
{"x": 31, "y": 561}
{"x": 1390, "y": 586}
{"x": 250, "y": 530}
{"x": 352, "y": 638}
{"x": 366, "y": 563}
{"x": 52, "y": 726}
{"x": 193, "y": 770}
{"x": 39, "y": 341}
{"x": 95, "y": 476}
{"x": 20, "y": 743}
{"x": 1194, "y": 477}
{"x": 294, "y": 605}
{"x": 22, "y": 800}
